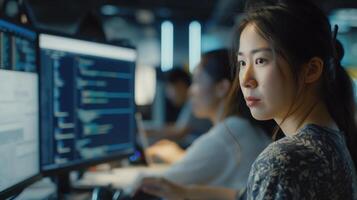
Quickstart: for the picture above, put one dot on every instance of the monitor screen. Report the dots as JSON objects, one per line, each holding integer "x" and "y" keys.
{"x": 88, "y": 95}
{"x": 19, "y": 106}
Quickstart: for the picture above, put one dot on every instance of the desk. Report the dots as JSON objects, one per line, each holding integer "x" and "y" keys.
{"x": 43, "y": 189}
{"x": 125, "y": 178}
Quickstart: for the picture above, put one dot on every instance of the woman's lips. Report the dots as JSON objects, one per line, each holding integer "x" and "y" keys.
{"x": 252, "y": 101}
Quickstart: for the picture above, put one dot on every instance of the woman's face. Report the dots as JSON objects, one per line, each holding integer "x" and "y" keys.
{"x": 202, "y": 93}
{"x": 266, "y": 82}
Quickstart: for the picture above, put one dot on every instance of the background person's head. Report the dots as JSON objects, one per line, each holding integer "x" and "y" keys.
{"x": 212, "y": 81}
{"x": 296, "y": 66}
{"x": 177, "y": 83}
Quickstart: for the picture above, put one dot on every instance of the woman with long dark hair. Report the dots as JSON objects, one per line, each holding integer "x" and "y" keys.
{"x": 289, "y": 71}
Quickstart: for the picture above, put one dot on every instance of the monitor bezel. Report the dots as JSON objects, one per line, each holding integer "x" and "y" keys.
{"x": 20, "y": 186}
{"x": 52, "y": 170}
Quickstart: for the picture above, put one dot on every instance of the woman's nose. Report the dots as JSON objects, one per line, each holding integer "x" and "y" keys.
{"x": 251, "y": 83}
{"x": 248, "y": 78}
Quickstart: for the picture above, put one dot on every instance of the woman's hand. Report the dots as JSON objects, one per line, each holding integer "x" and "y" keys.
{"x": 163, "y": 188}
{"x": 165, "y": 151}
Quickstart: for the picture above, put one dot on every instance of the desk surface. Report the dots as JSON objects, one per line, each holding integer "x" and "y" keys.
{"x": 125, "y": 178}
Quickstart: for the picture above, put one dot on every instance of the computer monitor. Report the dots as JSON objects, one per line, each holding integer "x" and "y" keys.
{"x": 88, "y": 101}
{"x": 19, "y": 105}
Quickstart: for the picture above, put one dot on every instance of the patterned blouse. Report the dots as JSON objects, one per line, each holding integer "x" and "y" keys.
{"x": 314, "y": 164}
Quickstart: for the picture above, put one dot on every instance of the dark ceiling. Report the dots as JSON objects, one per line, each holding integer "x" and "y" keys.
{"x": 217, "y": 12}
{"x": 66, "y": 10}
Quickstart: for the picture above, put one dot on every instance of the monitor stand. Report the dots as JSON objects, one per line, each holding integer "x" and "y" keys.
{"x": 63, "y": 184}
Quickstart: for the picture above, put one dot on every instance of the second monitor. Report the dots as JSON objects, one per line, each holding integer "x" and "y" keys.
{"x": 88, "y": 101}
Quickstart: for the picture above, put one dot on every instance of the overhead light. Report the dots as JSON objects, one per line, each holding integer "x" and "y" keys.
{"x": 345, "y": 18}
{"x": 194, "y": 44}
{"x": 167, "y": 45}
{"x": 349, "y": 14}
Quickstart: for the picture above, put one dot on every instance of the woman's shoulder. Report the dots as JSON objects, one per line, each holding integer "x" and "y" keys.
{"x": 309, "y": 160}
{"x": 237, "y": 125}
{"x": 310, "y": 139}
{"x": 226, "y": 129}
{"x": 288, "y": 152}
{"x": 228, "y": 124}
{"x": 312, "y": 148}
{"x": 243, "y": 130}
{"x": 236, "y": 120}
{"x": 278, "y": 153}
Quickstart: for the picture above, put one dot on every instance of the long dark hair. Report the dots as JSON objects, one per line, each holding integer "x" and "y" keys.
{"x": 217, "y": 65}
{"x": 298, "y": 30}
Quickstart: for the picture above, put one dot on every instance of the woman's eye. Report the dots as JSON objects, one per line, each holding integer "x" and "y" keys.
{"x": 241, "y": 63}
{"x": 260, "y": 61}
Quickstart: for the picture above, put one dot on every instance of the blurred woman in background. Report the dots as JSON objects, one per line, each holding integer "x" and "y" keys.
{"x": 223, "y": 156}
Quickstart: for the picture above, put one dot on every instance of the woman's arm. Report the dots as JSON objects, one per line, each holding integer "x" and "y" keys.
{"x": 210, "y": 193}
{"x": 171, "y": 191}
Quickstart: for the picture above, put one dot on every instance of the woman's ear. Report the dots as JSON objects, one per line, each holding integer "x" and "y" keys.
{"x": 313, "y": 70}
{"x": 222, "y": 88}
